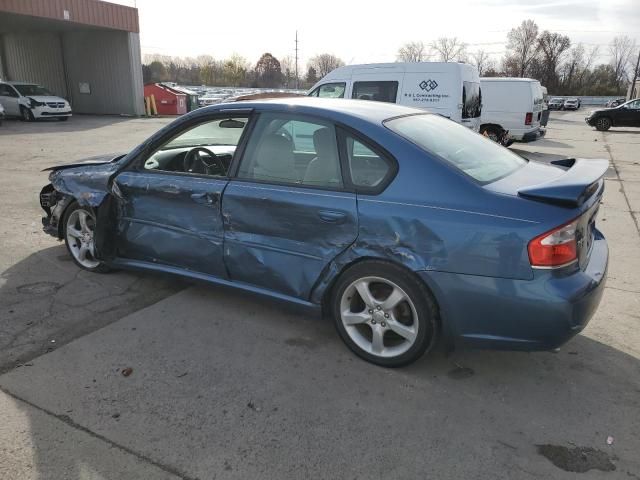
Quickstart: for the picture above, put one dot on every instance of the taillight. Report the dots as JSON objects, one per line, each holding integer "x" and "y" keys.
{"x": 555, "y": 248}
{"x": 528, "y": 118}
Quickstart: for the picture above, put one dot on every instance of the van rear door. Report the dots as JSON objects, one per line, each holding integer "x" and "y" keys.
{"x": 538, "y": 102}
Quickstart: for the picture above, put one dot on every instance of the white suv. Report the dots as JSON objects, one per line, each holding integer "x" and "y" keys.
{"x": 30, "y": 101}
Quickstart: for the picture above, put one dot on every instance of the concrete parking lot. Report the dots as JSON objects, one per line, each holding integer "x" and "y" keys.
{"x": 228, "y": 386}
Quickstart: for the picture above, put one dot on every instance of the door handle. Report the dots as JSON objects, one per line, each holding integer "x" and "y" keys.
{"x": 331, "y": 216}
{"x": 205, "y": 198}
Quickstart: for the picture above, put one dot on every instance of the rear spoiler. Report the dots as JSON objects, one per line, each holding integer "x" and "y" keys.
{"x": 581, "y": 180}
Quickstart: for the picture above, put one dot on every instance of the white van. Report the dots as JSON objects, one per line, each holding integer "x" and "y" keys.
{"x": 511, "y": 104}
{"x": 449, "y": 89}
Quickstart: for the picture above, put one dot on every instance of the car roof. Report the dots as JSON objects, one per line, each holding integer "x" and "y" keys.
{"x": 21, "y": 83}
{"x": 508, "y": 79}
{"x": 330, "y": 107}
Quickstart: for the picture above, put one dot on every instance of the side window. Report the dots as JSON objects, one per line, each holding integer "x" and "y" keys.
{"x": 634, "y": 105}
{"x": 367, "y": 168}
{"x": 330, "y": 90}
{"x": 293, "y": 150}
{"x": 206, "y": 149}
{"x": 377, "y": 91}
{"x": 7, "y": 91}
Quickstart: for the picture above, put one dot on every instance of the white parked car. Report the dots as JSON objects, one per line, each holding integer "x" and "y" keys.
{"x": 449, "y": 89}
{"x": 30, "y": 101}
{"x": 512, "y": 105}
{"x": 1, "y": 113}
{"x": 571, "y": 104}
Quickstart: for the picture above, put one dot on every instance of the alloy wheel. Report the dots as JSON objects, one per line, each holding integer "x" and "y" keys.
{"x": 379, "y": 317}
{"x": 80, "y": 238}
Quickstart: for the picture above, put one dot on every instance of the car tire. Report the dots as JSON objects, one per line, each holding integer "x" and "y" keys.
{"x": 26, "y": 115}
{"x": 78, "y": 227}
{"x": 393, "y": 322}
{"x": 603, "y": 124}
{"x": 491, "y": 132}
{"x": 63, "y": 119}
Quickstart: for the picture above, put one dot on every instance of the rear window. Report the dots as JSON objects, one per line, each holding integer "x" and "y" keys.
{"x": 477, "y": 156}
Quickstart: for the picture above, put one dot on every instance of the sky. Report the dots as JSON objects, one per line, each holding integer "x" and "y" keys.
{"x": 371, "y": 31}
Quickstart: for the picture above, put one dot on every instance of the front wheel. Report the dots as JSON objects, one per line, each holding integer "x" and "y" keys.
{"x": 603, "y": 124}
{"x": 26, "y": 115}
{"x": 79, "y": 228}
{"x": 384, "y": 314}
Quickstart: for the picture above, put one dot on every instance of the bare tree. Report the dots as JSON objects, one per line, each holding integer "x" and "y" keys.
{"x": 482, "y": 61}
{"x": 449, "y": 49}
{"x": 324, "y": 63}
{"x": 552, "y": 47}
{"x": 412, "y": 52}
{"x": 521, "y": 42}
{"x": 621, "y": 49}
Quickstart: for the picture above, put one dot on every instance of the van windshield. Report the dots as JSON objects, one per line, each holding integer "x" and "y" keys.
{"x": 471, "y": 100}
{"x": 477, "y": 156}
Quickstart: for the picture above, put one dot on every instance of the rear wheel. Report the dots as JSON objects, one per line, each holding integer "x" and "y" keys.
{"x": 26, "y": 115}
{"x": 79, "y": 226}
{"x": 384, "y": 314}
{"x": 603, "y": 124}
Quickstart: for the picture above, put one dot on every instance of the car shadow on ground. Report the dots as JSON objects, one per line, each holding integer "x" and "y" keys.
{"x": 626, "y": 132}
{"x": 229, "y": 386}
{"x": 47, "y": 301}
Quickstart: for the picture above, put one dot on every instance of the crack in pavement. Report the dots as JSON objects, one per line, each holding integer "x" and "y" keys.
{"x": 70, "y": 423}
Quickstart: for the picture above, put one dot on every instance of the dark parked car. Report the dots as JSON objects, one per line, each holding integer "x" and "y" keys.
{"x": 401, "y": 224}
{"x": 556, "y": 104}
{"x": 625, "y": 115}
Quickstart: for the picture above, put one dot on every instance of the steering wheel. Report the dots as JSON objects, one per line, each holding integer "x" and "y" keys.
{"x": 194, "y": 162}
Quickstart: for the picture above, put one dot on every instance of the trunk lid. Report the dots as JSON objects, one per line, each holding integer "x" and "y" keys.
{"x": 567, "y": 183}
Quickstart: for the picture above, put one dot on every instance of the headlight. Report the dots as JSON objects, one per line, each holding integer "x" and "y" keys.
{"x": 34, "y": 103}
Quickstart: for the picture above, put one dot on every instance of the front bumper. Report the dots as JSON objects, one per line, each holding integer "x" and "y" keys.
{"x": 509, "y": 314}
{"x": 54, "y": 204}
{"x": 47, "y": 112}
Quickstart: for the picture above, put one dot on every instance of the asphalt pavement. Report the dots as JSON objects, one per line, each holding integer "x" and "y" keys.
{"x": 149, "y": 377}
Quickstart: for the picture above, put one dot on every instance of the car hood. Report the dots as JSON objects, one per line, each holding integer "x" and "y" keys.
{"x": 97, "y": 160}
{"x": 46, "y": 98}
{"x": 601, "y": 110}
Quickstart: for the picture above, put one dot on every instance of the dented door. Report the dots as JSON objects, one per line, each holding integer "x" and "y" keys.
{"x": 281, "y": 237}
{"x": 172, "y": 220}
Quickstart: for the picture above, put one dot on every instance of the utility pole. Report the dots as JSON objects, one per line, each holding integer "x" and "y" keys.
{"x": 297, "y": 86}
{"x": 635, "y": 77}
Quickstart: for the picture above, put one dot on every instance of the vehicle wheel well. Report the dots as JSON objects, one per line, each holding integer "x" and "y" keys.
{"x": 490, "y": 125}
{"x": 329, "y": 290}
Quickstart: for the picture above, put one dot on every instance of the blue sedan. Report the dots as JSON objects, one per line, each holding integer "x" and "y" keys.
{"x": 403, "y": 225}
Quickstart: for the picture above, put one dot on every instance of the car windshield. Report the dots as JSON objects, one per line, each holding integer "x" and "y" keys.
{"x": 219, "y": 132}
{"x": 29, "y": 90}
{"x": 477, "y": 156}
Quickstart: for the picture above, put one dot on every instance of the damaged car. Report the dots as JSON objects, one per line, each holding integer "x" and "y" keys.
{"x": 402, "y": 225}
